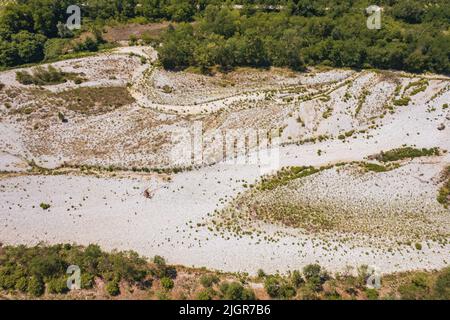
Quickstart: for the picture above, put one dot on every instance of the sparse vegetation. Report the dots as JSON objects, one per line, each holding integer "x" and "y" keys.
{"x": 42, "y": 77}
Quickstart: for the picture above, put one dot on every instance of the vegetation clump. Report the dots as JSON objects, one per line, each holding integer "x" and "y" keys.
{"x": 444, "y": 192}
{"x": 407, "y": 153}
{"x": 285, "y": 175}
{"x": 50, "y": 76}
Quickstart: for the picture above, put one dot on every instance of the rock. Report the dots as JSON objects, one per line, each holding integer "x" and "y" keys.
{"x": 448, "y": 116}
{"x": 441, "y": 127}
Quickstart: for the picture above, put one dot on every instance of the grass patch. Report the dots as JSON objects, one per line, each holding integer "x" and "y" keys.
{"x": 285, "y": 175}
{"x": 95, "y": 100}
{"x": 407, "y": 153}
{"x": 402, "y": 101}
{"x": 43, "y": 77}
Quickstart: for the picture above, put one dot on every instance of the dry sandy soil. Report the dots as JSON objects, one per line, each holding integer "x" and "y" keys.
{"x": 100, "y": 170}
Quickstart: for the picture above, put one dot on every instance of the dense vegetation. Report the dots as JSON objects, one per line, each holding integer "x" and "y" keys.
{"x": 414, "y": 37}
{"x": 290, "y": 33}
{"x": 41, "y": 270}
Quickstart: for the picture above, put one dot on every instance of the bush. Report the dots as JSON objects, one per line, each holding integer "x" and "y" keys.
{"x": 297, "y": 279}
{"x": 167, "y": 283}
{"x": 315, "y": 276}
{"x": 206, "y": 294}
{"x": 407, "y": 152}
{"x": 272, "y": 285}
{"x": 261, "y": 273}
{"x": 402, "y": 101}
{"x": 22, "y": 284}
{"x": 36, "y": 286}
{"x": 112, "y": 287}
{"x": 235, "y": 291}
{"x": 277, "y": 287}
{"x": 57, "y": 285}
{"x": 371, "y": 294}
{"x": 87, "y": 280}
{"x": 418, "y": 288}
{"x": 442, "y": 285}
{"x": 208, "y": 280}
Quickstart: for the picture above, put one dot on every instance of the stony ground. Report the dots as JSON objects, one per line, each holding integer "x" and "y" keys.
{"x": 101, "y": 169}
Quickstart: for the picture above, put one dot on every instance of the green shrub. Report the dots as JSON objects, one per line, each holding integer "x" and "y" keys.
{"x": 87, "y": 280}
{"x": 206, "y": 294}
{"x": 407, "y": 152}
{"x": 208, "y": 280}
{"x": 297, "y": 279}
{"x": 402, "y": 101}
{"x": 261, "y": 274}
{"x": 235, "y": 291}
{"x": 112, "y": 287}
{"x": 36, "y": 286}
{"x": 442, "y": 285}
{"x": 167, "y": 283}
{"x": 315, "y": 276}
{"x": 22, "y": 284}
{"x": 57, "y": 285}
{"x": 371, "y": 294}
{"x": 44, "y": 206}
{"x": 417, "y": 289}
{"x": 277, "y": 287}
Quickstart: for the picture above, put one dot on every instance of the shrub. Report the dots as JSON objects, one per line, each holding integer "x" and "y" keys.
{"x": 167, "y": 283}
{"x": 235, "y": 291}
{"x": 22, "y": 284}
{"x": 272, "y": 286}
{"x": 315, "y": 276}
{"x": 41, "y": 76}
{"x": 277, "y": 287}
{"x": 297, "y": 279}
{"x": 371, "y": 294}
{"x": 112, "y": 287}
{"x": 208, "y": 280}
{"x": 261, "y": 273}
{"x": 36, "y": 286}
{"x": 206, "y": 294}
{"x": 402, "y": 101}
{"x": 44, "y": 206}
{"x": 87, "y": 280}
{"x": 418, "y": 288}
{"x": 57, "y": 285}
{"x": 407, "y": 152}
{"x": 442, "y": 285}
